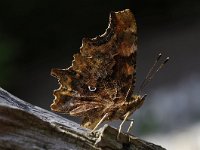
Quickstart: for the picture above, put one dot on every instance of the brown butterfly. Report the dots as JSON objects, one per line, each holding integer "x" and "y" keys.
{"x": 99, "y": 85}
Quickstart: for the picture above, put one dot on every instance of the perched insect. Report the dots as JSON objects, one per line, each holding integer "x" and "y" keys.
{"x": 99, "y": 86}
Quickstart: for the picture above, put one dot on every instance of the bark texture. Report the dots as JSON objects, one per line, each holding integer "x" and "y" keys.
{"x": 25, "y": 126}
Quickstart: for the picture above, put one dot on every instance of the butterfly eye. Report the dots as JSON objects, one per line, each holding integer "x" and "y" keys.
{"x": 92, "y": 89}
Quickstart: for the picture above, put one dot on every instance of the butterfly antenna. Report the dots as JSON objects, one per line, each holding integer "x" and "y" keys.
{"x": 150, "y": 72}
{"x": 151, "y": 75}
{"x": 159, "y": 68}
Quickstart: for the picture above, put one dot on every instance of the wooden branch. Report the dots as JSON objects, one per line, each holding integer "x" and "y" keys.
{"x": 27, "y": 127}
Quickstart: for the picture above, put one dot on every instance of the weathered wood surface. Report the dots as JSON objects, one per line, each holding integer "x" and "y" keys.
{"x": 27, "y": 127}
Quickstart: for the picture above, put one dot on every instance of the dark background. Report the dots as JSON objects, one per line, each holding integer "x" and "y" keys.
{"x": 36, "y": 36}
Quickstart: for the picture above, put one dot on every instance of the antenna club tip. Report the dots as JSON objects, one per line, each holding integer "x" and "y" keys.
{"x": 159, "y": 56}
{"x": 166, "y": 60}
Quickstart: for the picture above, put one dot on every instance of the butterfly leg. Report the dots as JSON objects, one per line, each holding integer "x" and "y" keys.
{"x": 120, "y": 127}
{"x": 130, "y": 126}
{"x": 102, "y": 119}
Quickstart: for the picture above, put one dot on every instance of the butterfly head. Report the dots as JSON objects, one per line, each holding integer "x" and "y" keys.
{"x": 136, "y": 101}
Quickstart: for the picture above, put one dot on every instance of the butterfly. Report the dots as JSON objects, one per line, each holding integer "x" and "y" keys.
{"x": 99, "y": 85}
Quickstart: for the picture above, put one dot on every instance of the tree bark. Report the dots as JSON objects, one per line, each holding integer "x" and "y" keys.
{"x": 27, "y": 127}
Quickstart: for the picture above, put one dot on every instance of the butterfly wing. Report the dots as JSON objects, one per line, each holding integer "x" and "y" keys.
{"x": 104, "y": 68}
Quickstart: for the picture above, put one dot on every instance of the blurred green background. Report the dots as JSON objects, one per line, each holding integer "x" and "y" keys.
{"x": 36, "y": 36}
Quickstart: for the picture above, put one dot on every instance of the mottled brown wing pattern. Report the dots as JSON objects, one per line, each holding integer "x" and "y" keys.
{"x": 103, "y": 70}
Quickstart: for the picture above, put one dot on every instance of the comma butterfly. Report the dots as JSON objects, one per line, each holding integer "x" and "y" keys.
{"x": 99, "y": 85}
